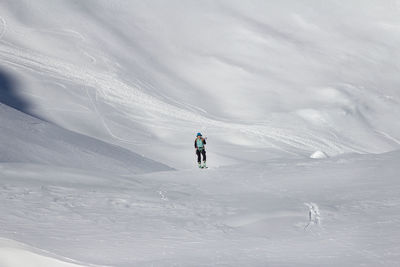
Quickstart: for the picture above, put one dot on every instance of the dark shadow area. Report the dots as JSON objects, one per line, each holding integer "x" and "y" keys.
{"x": 9, "y": 94}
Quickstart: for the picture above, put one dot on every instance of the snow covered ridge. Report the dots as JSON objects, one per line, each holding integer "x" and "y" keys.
{"x": 30, "y": 140}
{"x": 14, "y": 254}
{"x": 99, "y": 97}
{"x": 291, "y": 78}
{"x": 318, "y": 155}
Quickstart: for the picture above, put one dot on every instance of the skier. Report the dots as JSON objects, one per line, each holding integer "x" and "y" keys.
{"x": 200, "y": 150}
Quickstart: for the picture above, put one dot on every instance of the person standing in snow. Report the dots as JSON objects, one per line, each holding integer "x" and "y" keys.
{"x": 200, "y": 150}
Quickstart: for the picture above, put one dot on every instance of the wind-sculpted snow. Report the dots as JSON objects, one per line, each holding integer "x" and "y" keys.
{"x": 112, "y": 90}
{"x": 30, "y": 140}
{"x": 98, "y": 97}
{"x": 16, "y": 254}
{"x": 291, "y": 83}
{"x": 336, "y": 212}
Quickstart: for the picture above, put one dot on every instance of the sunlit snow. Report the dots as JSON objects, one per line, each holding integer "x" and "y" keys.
{"x": 100, "y": 102}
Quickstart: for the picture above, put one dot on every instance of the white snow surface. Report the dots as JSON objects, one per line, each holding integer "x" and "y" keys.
{"x": 16, "y": 254}
{"x": 318, "y": 155}
{"x": 336, "y": 212}
{"x": 100, "y": 102}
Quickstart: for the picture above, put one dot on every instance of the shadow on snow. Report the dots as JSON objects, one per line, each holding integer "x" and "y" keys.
{"x": 10, "y": 96}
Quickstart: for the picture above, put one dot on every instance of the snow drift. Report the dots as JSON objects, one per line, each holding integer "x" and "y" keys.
{"x": 31, "y": 140}
{"x": 16, "y": 254}
{"x": 291, "y": 78}
{"x": 97, "y": 97}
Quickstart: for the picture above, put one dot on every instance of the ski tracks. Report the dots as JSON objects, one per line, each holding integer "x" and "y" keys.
{"x": 116, "y": 92}
{"x": 314, "y": 216}
{"x": 3, "y": 28}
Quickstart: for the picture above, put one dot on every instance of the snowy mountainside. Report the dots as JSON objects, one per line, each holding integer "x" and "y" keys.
{"x": 30, "y": 140}
{"x": 99, "y": 97}
{"x": 289, "y": 78}
{"x": 17, "y": 254}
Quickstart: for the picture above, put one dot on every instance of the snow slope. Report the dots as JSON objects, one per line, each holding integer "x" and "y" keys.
{"x": 16, "y": 254}
{"x": 290, "y": 78}
{"x": 30, "y": 140}
{"x": 336, "y": 212}
{"x": 98, "y": 98}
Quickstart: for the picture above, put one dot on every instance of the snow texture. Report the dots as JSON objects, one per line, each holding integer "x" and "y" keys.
{"x": 100, "y": 102}
{"x": 318, "y": 155}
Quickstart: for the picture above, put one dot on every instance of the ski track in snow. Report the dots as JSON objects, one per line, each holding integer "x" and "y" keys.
{"x": 68, "y": 33}
{"x": 103, "y": 121}
{"x": 388, "y": 136}
{"x": 3, "y": 27}
{"x": 252, "y": 213}
{"x": 62, "y": 32}
{"x": 112, "y": 90}
{"x": 314, "y": 216}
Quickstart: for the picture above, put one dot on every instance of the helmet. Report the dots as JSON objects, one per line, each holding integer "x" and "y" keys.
{"x": 198, "y": 134}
